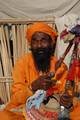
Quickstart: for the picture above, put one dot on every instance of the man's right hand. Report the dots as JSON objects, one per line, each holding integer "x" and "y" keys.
{"x": 43, "y": 82}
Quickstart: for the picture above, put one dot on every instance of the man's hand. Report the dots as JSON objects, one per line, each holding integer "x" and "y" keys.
{"x": 43, "y": 82}
{"x": 66, "y": 100}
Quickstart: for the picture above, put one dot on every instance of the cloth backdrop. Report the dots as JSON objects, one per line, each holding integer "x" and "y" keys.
{"x": 37, "y": 9}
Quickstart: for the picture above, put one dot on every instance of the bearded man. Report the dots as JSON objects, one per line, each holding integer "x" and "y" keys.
{"x": 31, "y": 70}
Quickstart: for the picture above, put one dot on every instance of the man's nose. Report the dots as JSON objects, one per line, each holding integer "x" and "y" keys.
{"x": 39, "y": 44}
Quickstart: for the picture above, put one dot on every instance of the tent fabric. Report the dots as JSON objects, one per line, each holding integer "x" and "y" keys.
{"x": 37, "y": 9}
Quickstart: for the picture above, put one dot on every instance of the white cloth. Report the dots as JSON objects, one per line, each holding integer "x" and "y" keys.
{"x": 68, "y": 20}
{"x": 36, "y": 9}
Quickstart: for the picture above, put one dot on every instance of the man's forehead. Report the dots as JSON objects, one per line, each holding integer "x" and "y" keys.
{"x": 40, "y": 35}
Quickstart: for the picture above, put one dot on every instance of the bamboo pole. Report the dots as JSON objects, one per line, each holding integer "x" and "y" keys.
{"x": 2, "y": 87}
{"x": 5, "y": 81}
{"x": 19, "y": 41}
{"x": 5, "y": 77}
{"x": 1, "y": 67}
{"x": 5, "y": 59}
{"x": 1, "y": 73}
{"x": 4, "y": 94}
{"x": 14, "y": 39}
{"x": 7, "y": 32}
{"x": 24, "y": 21}
{"x": 23, "y": 39}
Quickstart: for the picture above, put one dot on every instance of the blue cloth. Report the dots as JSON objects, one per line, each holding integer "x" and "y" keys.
{"x": 36, "y": 99}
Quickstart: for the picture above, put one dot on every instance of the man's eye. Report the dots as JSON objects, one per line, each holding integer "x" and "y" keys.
{"x": 34, "y": 42}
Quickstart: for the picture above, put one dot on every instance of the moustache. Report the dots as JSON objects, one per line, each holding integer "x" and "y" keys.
{"x": 40, "y": 51}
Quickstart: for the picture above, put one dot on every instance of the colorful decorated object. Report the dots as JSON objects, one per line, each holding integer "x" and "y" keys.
{"x": 35, "y": 110}
{"x": 67, "y": 36}
{"x": 74, "y": 67}
{"x": 75, "y": 30}
{"x": 35, "y": 100}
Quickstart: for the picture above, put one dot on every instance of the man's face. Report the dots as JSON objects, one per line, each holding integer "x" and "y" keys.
{"x": 40, "y": 39}
{"x": 41, "y": 49}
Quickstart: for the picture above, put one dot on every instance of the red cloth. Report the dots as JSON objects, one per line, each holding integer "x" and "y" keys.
{"x": 74, "y": 70}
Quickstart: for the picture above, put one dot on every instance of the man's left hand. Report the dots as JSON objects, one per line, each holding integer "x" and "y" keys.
{"x": 66, "y": 100}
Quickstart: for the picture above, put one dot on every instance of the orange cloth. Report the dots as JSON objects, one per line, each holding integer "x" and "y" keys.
{"x": 24, "y": 73}
{"x": 40, "y": 27}
{"x": 8, "y": 115}
{"x": 75, "y": 114}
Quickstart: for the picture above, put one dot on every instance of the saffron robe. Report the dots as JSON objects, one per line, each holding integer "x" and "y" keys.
{"x": 24, "y": 73}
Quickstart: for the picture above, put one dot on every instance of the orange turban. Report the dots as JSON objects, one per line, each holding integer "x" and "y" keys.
{"x": 40, "y": 27}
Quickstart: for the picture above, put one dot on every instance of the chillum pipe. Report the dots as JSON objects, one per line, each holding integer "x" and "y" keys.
{"x": 59, "y": 62}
